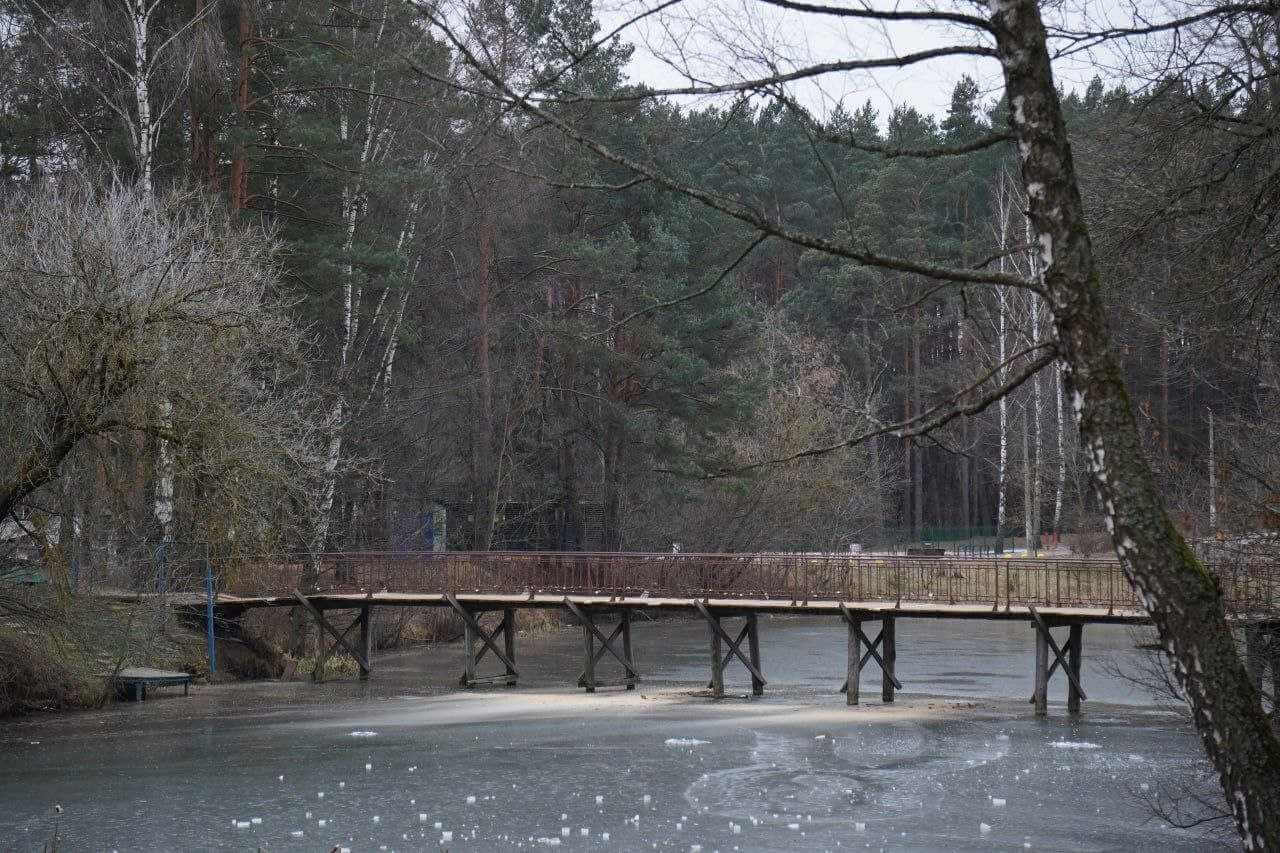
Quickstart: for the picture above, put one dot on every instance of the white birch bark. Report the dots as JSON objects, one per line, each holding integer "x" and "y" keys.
{"x": 1002, "y": 321}
{"x": 353, "y": 203}
{"x": 1061, "y": 486}
{"x": 1213, "y": 478}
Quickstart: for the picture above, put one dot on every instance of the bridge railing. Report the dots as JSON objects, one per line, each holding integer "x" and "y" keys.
{"x": 999, "y": 583}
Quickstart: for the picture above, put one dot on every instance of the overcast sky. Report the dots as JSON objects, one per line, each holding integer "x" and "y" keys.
{"x": 724, "y": 40}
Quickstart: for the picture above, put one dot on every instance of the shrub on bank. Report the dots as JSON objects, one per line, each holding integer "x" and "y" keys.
{"x": 40, "y": 673}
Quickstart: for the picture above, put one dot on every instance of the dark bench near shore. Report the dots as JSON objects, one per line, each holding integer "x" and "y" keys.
{"x": 132, "y": 683}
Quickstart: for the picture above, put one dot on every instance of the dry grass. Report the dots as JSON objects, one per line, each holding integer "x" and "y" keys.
{"x": 41, "y": 673}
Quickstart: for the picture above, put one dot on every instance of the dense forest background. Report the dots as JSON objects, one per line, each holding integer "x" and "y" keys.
{"x": 527, "y": 348}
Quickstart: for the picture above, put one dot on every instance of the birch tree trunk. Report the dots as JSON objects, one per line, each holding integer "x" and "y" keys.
{"x": 1183, "y": 598}
{"x": 1062, "y": 456}
{"x": 1002, "y": 322}
{"x": 1213, "y": 479}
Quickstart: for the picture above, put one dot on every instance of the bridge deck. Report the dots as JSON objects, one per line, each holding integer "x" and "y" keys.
{"x": 496, "y": 601}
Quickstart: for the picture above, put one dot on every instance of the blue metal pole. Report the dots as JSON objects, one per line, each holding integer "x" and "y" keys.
{"x": 208, "y": 611}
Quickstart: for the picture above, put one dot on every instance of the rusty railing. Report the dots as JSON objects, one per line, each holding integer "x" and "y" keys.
{"x": 998, "y": 583}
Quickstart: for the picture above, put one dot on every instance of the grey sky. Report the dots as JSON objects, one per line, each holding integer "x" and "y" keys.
{"x": 724, "y": 40}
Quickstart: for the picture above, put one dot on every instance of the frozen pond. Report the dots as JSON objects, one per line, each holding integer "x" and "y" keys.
{"x": 407, "y": 762}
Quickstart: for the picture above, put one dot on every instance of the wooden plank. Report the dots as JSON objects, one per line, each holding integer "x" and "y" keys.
{"x": 324, "y": 624}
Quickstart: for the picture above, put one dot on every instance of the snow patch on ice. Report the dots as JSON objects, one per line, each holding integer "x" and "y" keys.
{"x": 1074, "y": 744}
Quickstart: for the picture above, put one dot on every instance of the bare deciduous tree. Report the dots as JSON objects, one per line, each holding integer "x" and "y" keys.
{"x": 112, "y": 303}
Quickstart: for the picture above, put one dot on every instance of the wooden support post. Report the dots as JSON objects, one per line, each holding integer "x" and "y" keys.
{"x": 1074, "y": 657}
{"x": 854, "y": 673}
{"x": 889, "y": 647}
{"x": 509, "y": 641}
{"x": 366, "y": 640}
{"x": 469, "y": 668}
{"x": 589, "y": 656}
{"x": 717, "y": 665}
{"x": 753, "y": 646}
{"x": 625, "y": 616}
{"x": 1040, "y": 693}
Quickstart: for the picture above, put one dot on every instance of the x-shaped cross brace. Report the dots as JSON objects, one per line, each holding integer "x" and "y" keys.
{"x": 487, "y": 637}
{"x": 1059, "y": 655}
{"x": 735, "y": 649}
{"x": 340, "y": 638}
{"x": 606, "y": 645}
{"x": 871, "y": 652}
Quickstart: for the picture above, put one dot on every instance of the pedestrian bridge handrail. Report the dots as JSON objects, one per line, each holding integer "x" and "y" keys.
{"x": 1248, "y": 587}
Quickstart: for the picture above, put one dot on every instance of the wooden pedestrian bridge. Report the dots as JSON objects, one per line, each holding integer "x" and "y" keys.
{"x": 606, "y": 591}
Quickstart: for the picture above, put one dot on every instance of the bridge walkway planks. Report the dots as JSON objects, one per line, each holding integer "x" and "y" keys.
{"x": 592, "y": 609}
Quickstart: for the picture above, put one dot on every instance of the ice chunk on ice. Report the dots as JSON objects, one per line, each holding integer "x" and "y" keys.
{"x": 368, "y": 767}
{"x": 422, "y": 817}
{"x": 364, "y": 734}
{"x": 604, "y": 836}
{"x": 1074, "y": 744}
{"x": 564, "y": 832}
{"x": 793, "y": 826}
{"x": 471, "y": 800}
{"x": 297, "y": 833}
{"x": 256, "y": 821}
{"x": 599, "y": 800}
{"x": 998, "y": 802}
{"x": 446, "y": 836}
{"x": 584, "y": 832}
{"x": 984, "y": 828}
{"x": 685, "y": 741}
{"x": 859, "y": 826}
{"x": 243, "y": 824}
